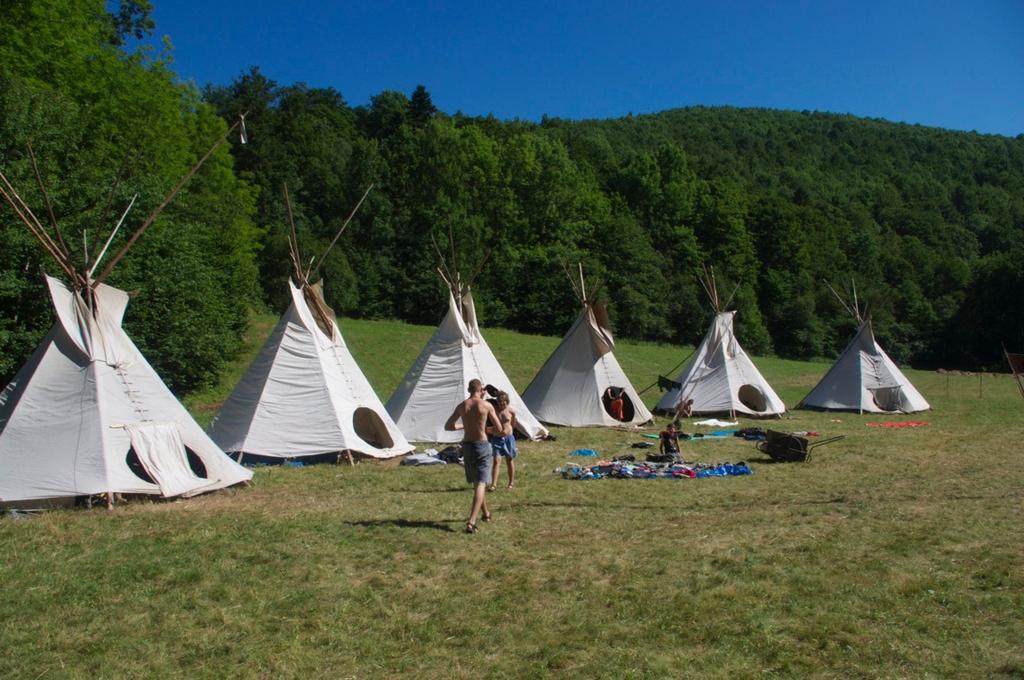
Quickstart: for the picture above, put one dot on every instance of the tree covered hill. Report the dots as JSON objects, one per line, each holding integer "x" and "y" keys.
{"x": 928, "y": 223}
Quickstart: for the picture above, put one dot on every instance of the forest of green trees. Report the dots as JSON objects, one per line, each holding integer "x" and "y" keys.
{"x": 928, "y": 223}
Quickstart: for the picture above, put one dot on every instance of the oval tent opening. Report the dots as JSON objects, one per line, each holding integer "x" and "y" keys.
{"x": 195, "y": 464}
{"x": 371, "y": 428}
{"x": 135, "y": 465}
{"x": 753, "y": 398}
{"x": 887, "y": 398}
{"x": 623, "y": 411}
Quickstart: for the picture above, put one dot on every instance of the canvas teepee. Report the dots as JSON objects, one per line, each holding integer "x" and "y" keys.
{"x": 437, "y": 380}
{"x": 572, "y": 386}
{"x": 87, "y": 414}
{"x": 864, "y": 378}
{"x": 304, "y": 394}
{"x": 721, "y": 378}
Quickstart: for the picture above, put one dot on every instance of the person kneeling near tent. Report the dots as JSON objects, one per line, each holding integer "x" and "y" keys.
{"x": 503, "y": 441}
{"x": 477, "y": 458}
{"x": 684, "y": 410}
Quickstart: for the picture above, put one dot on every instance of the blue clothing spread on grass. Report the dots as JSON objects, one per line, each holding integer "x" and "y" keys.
{"x": 627, "y": 470}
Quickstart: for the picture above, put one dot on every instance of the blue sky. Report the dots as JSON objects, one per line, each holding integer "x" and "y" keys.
{"x": 941, "y": 63}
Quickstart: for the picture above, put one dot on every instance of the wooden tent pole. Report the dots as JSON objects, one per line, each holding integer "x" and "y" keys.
{"x": 440, "y": 257}
{"x": 451, "y": 244}
{"x": 479, "y": 268}
{"x": 732, "y": 295}
{"x": 714, "y": 288}
{"x": 49, "y": 206}
{"x": 113, "y": 190}
{"x": 338, "y": 235}
{"x": 855, "y": 315}
{"x": 160, "y": 208}
{"x": 106, "y": 245}
{"x": 444, "y": 278}
{"x": 856, "y": 305}
{"x": 28, "y": 217}
{"x": 572, "y": 283}
{"x": 41, "y": 236}
{"x": 708, "y": 282}
{"x": 293, "y": 240}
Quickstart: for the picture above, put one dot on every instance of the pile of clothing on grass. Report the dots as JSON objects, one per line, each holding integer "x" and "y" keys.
{"x": 449, "y": 456}
{"x": 626, "y": 469}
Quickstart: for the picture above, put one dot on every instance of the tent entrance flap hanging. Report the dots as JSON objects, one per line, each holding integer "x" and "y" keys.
{"x": 161, "y": 452}
{"x": 60, "y": 436}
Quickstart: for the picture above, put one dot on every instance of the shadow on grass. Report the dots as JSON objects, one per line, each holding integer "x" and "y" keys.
{"x": 719, "y": 506}
{"x": 772, "y": 461}
{"x": 766, "y": 461}
{"x": 596, "y": 504}
{"x": 405, "y": 524}
{"x": 455, "y": 489}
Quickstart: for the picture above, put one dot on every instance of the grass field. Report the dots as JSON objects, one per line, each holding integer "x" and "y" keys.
{"x": 895, "y": 553}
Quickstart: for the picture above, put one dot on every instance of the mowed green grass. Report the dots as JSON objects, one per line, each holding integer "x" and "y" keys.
{"x": 895, "y": 553}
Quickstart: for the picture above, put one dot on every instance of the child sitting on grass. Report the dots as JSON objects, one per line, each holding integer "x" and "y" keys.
{"x": 669, "y": 441}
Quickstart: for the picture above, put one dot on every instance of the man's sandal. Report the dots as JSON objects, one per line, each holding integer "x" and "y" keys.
{"x": 471, "y": 528}
{"x": 487, "y": 517}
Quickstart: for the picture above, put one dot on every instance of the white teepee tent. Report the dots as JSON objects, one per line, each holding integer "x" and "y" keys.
{"x": 87, "y": 414}
{"x": 864, "y": 378}
{"x": 437, "y": 380}
{"x": 570, "y": 387}
{"x": 721, "y": 378}
{"x": 305, "y": 395}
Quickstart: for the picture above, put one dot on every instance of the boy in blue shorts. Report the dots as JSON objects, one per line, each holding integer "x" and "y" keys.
{"x": 503, "y": 441}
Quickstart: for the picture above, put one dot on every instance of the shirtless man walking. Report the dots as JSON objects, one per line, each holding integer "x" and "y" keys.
{"x": 476, "y": 414}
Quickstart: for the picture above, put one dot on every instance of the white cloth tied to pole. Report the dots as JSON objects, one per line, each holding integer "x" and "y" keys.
{"x": 162, "y": 453}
